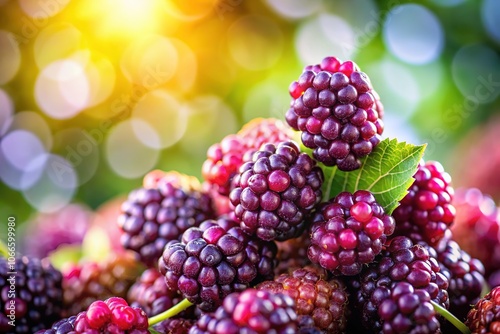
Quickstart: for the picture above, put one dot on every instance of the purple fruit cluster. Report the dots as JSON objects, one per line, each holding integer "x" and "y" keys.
{"x": 402, "y": 262}
{"x": 251, "y": 311}
{"x": 465, "y": 276}
{"x": 408, "y": 310}
{"x": 348, "y": 232}
{"x": 214, "y": 260}
{"x": 337, "y": 111}
{"x": 275, "y": 192}
{"x": 152, "y": 217}
{"x": 38, "y": 294}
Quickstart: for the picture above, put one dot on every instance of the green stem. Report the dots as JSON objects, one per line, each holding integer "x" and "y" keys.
{"x": 174, "y": 310}
{"x": 4, "y": 251}
{"x": 451, "y": 318}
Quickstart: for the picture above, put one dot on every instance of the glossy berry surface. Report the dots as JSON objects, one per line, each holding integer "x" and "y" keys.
{"x": 337, "y": 111}
{"x": 37, "y": 303}
{"x": 348, "y": 232}
{"x": 485, "y": 315}
{"x": 407, "y": 310}
{"x": 406, "y": 262}
{"x": 113, "y": 315}
{"x": 214, "y": 260}
{"x": 324, "y": 301}
{"x": 465, "y": 276}
{"x": 175, "y": 326}
{"x": 225, "y": 158}
{"x": 63, "y": 326}
{"x": 275, "y": 191}
{"x": 151, "y": 217}
{"x": 251, "y": 311}
{"x": 426, "y": 212}
{"x": 477, "y": 227}
{"x": 87, "y": 282}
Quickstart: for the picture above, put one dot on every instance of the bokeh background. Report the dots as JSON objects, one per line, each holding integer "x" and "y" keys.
{"x": 94, "y": 94}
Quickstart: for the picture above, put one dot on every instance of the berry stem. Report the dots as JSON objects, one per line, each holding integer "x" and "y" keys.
{"x": 4, "y": 251}
{"x": 451, "y": 318}
{"x": 174, "y": 310}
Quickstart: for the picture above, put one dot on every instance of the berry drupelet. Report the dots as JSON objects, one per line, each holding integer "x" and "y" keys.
{"x": 251, "y": 311}
{"x": 276, "y": 191}
{"x": 87, "y": 282}
{"x": 225, "y": 158}
{"x": 161, "y": 212}
{"x": 38, "y": 299}
{"x": 485, "y": 315}
{"x": 426, "y": 212}
{"x": 406, "y": 262}
{"x": 324, "y": 301}
{"x": 348, "y": 231}
{"x": 337, "y": 111}
{"x": 214, "y": 260}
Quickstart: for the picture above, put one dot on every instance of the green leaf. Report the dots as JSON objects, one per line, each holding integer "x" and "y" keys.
{"x": 387, "y": 172}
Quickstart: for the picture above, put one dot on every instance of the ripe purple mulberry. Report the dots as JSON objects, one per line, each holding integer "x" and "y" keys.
{"x": 63, "y": 326}
{"x": 402, "y": 262}
{"x": 275, "y": 191}
{"x": 337, "y": 111}
{"x": 214, "y": 260}
{"x": 151, "y": 217}
{"x": 348, "y": 232}
{"x": 426, "y": 212}
{"x": 465, "y": 276}
{"x": 175, "y": 326}
{"x": 251, "y": 311}
{"x": 38, "y": 299}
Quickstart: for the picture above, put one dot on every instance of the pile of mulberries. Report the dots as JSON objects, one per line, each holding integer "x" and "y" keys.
{"x": 266, "y": 245}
